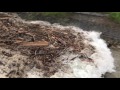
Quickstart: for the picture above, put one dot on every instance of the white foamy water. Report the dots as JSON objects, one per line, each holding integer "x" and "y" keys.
{"x": 103, "y": 60}
{"x": 77, "y": 68}
{"x": 102, "y": 57}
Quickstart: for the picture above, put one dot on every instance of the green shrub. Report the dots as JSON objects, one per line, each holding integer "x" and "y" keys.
{"x": 115, "y": 16}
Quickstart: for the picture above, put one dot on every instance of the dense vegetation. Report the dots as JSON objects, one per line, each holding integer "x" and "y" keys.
{"x": 115, "y": 16}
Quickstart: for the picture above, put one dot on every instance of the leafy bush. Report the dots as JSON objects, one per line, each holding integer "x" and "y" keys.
{"x": 115, "y": 16}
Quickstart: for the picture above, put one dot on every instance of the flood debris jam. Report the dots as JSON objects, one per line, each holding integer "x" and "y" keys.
{"x": 38, "y": 49}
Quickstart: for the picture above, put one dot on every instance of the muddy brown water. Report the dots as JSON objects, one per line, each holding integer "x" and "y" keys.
{"x": 110, "y": 32}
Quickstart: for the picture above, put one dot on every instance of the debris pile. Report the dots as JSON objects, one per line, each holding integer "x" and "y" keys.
{"x": 40, "y": 49}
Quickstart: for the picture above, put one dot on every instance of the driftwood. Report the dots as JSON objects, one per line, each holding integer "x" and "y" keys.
{"x": 37, "y": 43}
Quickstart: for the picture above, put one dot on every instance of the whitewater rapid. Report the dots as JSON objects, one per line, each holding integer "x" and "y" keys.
{"x": 102, "y": 57}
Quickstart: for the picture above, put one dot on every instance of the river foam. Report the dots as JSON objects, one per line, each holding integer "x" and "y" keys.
{"x": 102, "y": 57}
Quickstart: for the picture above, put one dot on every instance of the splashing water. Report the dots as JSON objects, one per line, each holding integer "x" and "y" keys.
{"x": 98, "y": 58}
{"x": 103, "y": 60}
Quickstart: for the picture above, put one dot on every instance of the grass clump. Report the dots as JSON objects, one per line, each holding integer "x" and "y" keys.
{"x": 115, "y": 16}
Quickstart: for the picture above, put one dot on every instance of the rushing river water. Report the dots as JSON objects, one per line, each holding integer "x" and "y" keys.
{"x": 110, "y": 31}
